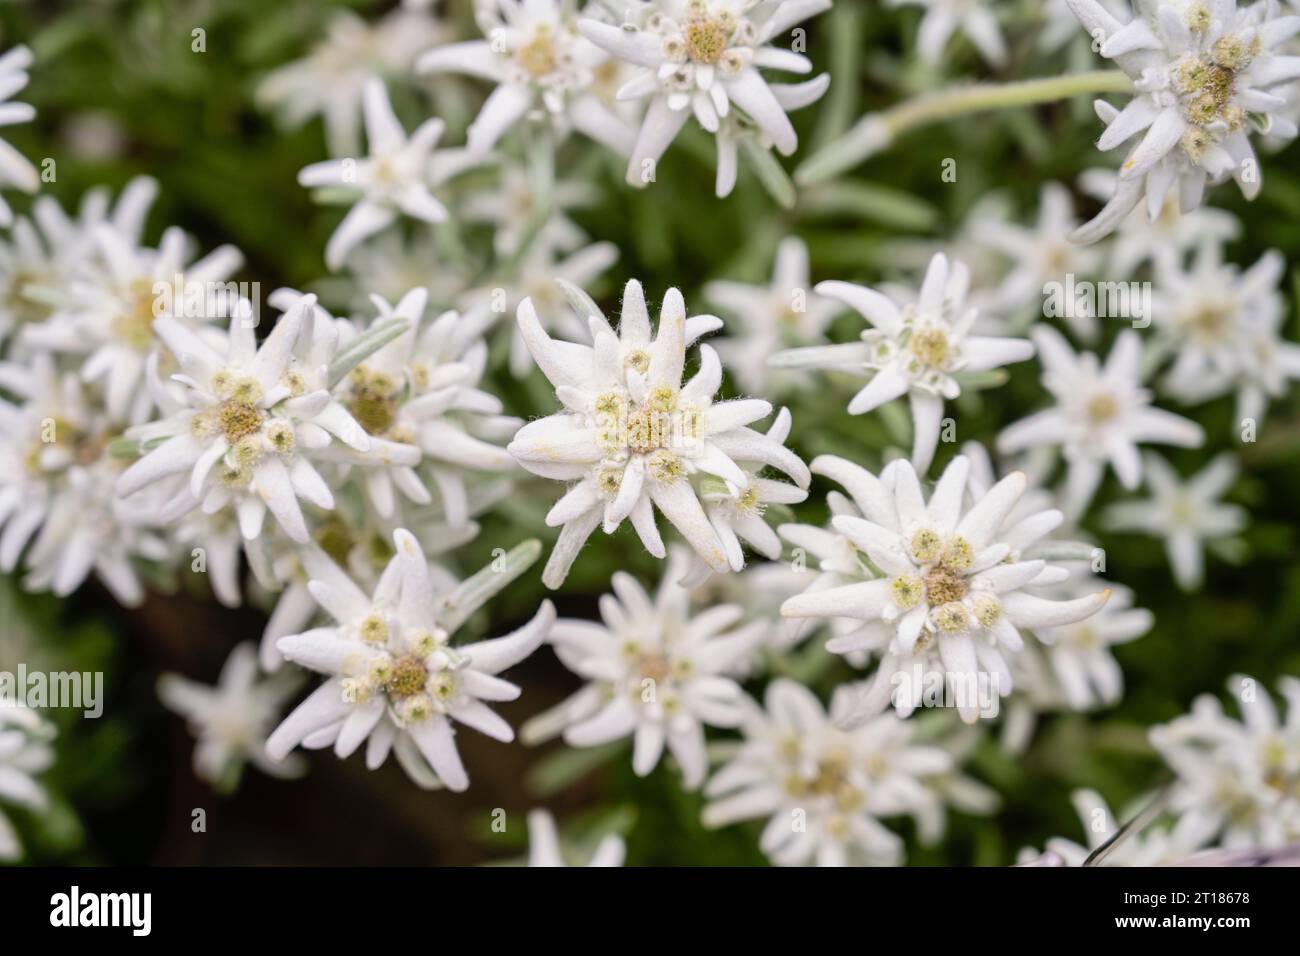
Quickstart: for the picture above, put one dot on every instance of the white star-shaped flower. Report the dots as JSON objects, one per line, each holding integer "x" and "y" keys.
{"x": 1223, "y": 326}
{"x": 232, "y": 718}
{"x": 634, "y": 437}
{"x": 824, "y": 789}
{"x": 1185, "y": 513}
{"x": 702, "y": 58}
{"x": 331, "y": 78}
{"x": 659, "y": 671}
{"x": 955, "y": 585}
{"x": 248, "y": 429}
{"x": 1101, "y": 415}
{"x": 918, "y": 349}
{"x": 1203, "y": 73}
{"x": 394, "y": 178}
{"x": 1156, "y": 846}
{"x": 535, "y": 55}
{"x": 1238, "y": 781}
{"x": 396, "y": 682}
{"x": 785, "y": 313}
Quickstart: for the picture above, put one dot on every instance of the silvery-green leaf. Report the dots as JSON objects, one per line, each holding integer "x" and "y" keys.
{"x": 476, "y": 590}
{"x": 364, "y": 346}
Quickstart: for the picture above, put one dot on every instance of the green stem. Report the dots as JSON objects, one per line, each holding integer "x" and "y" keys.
{"x": 877, "y": 131}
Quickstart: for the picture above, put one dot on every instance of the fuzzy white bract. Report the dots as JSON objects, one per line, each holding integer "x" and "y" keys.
{"x": 1102, "y": 414}
{"x": 944, "y": 17}
{"x": 232, "y": 718}
{"x": 540, "y": 63}
{"x": 1238, "y": 780}
{"x": 702, "y": 58}
{"x": 544, "y": 848}
{"x": 634, "y": 437}
{"x": 1205, "y": 74}
{"x": 15, "y": 169}
{"x": 25, "y": 753}
{"x": 659, "y": 671}
{"x": 823, "y": 789}
{"x": 1185, "y": 513}
{"x": 954, "y": 587}
{"x": 919, "y": 349}
{"x": 395, "y": 681}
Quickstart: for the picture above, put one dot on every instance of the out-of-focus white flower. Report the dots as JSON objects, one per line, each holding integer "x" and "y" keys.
{"x": 1237, "y": 780}
{"x": 658, "y": 671}
{"x": 1155, "y": 846}
{"x": 107, "y": 311}
{"x": 15, "y": 169}
{"x": 1224, "y": 327}
{"x": 634, "y": 438}
{"x": 1165, "y": 239}
{"x": 944, "y": 17}
{"x": 231, "y": 718}
{"x": 1101, "y": 415}
{"x": 396, "y": 683}
{"x": 394, "y": 178}
{"x": 25, "y": 753}
{"x": 422, "y": 390}
{"x": 512, "y": 204}
{"x": 544, "y": 844}
{"x": 783, "y": 314}
{"x": 536, "y": 277}
{"x": 955, "y": 587}
{"x": 390, "y": 265}
{"x": 918, "y": 349}
{"x": 702, "y": 58}
{"x": 1079, "y": 653}
{"x": 534, "y": 54}
{"x": 329, "y": 81}
{"x": 1185, "y": 513}
{"x": 1203, "y": 73}
{"x": 1040, "y": 254}
{"x": 248, "y": 430}
{"x": 58, "y": 476}
{"x": 823, "y": 789}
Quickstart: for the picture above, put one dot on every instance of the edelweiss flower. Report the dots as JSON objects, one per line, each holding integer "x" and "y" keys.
{"x": 917, "y": 350}
{"x": 544, "y": 844}
{"x": 1167, "y": 238}
{"x": 1079, "y": 654}
{"x": 232, "y": 718}
{"x": 823, "y": 789}
{"x": 15, "y": 170}
{"x": 331, "y": 78}
{"x": 1239, "y": 781}
{"x": 421, "y": 390}
{"x": 25, "y": 752}
{"x": 703, "y": 57}
{"x": 1186, "y": 514}
{"x": 57, "y": 476}
{"x": 783, "y": 313}
{"x": 394, "y": 178}
{"x": 395, "y": 681}
{"x": 952, "y": 591}
{"x": 943, "y": 17}
{"x": 658, "y": 670}
{"x": 1203, "y": 72}
{"x": 1040, "y": 254}
{"x": 1101, "y": 415}
{"x": 108, "y": 310}
{"x": 634, "y": 438}
{"x": 535, "y": 56}
{"x": 1224, "y": 326}
{"x": 249, "y": 430}
{"x": 1156, "y": 846}
{"x": 537, "y": 277}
